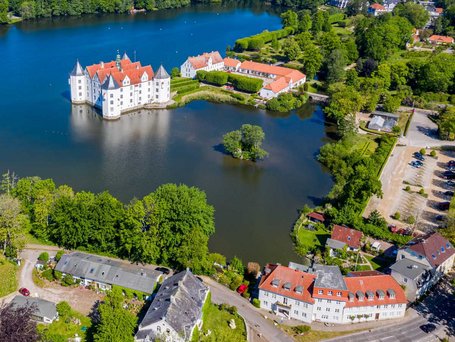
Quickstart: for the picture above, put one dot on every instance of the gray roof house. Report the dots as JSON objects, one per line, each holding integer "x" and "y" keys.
{"x": 175, "y": 311}
{"x": 45, "y": 311}
{"x": 104, "y": 272}
{"x": 383, "y": 121}
{"x": 329, "y": 277}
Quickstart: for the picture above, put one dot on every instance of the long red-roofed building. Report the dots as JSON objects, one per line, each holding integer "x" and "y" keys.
{"x": 207, "y": 61}
{"x": 119, "y": 86}
{"x": 325, "y": 295}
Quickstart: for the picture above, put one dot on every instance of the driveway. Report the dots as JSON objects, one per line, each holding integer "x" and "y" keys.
{"x": 255, "y": 321}
{"x": 80, "y": 299}
{"x": 438, "y": 308}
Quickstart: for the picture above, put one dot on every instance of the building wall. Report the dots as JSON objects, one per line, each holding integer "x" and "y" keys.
{"x": 78, "y": 85}
{"x": 267, "y": 93}
{"x": 410, "y": 285}
{"x": 373, "y": 312}
{"x": 187, "y": 69}
{"x": 164, "y": 331}
{"x": 162, "y": 90}
{"x": 328, "y": 310}
{"x": 299, "y": 310}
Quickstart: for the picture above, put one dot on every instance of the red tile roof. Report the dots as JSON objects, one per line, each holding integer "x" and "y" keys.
{"x": 273, "y": 70}
{"x": 134, "y": 71}
{"x": 349, "y": 236}
{"x": 317, "y": 216}
{"x": 441, "y": 39}
{"x": 295, "y": 278}
{"x": 439, "y": 10}
{"x": 231, "y": 62}
{"x": 278, "y": 85}
{"x": 377, "y": 7}
{"x": 383, "y": 283}
{"x": 435, "y": 248}
{"x": 201, "y": 61}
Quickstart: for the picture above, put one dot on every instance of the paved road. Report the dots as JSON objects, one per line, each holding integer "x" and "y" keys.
{"x": 438, "y": 308}
{"x": 256, "y": 323}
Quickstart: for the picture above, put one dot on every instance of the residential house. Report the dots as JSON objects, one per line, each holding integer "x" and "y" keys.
{"x": 440, "y": 40}
{"x": 176, "y": 310}
{"x": 316, "y": 217}
{"x": 422, "y": 262}
{"x": 324, "y": 295}
{"x": 376, "y": 9}
{"x": 383, "y": 121}
{"x": 43, "y": 310}
{"x": 344, "y": 236}
{"x": 208, "y": 61}
{"x": 339, "y": 3}
{"x": 104, "y": 272}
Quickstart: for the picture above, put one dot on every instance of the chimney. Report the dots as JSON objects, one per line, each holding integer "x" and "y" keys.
{"x": 102, "y": 64}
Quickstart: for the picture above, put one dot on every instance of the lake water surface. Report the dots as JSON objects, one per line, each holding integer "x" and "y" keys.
{"x": 42, "y": 134}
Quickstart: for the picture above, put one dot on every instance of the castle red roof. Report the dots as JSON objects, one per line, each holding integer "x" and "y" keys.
{"x": 297, "y": 283}
{"x": 349, "y": 236}
{"x": 376, "y": 286}
{"x": 441, "y": 39}
{"x": 435, "y": 248}
{"x": 231, "y": 62}
{"x": 201, "y": 61}
{"x": 134, "y": 71}
{"x": 377, "y": 7}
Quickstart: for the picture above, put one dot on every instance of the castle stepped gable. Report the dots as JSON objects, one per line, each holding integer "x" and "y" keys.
{"x": 201, "y": 61}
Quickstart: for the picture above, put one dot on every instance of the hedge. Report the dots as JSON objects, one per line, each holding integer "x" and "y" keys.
{"x": 254, "y": 42}
{"x": 245, "y": 83}
{"x": 187, "y": 88}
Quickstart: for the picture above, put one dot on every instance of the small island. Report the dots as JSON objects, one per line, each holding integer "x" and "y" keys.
{"x": 245, "y": 143}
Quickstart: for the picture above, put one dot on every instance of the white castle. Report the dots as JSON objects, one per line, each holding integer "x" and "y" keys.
{"x": 119, "y": 86}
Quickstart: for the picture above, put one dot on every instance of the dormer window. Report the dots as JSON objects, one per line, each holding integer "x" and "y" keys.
{"x": 320, "y": 292}
{"x": 391, "y": 293}
{"x": 330, "y": 293}
{"x": 349, "y": 238}
{"x": 370, "y": 295}
{"x": 380, "y": 294}
{"x": 360, "y": 295}
{"x": 433, "y": 256}
{"x": 299, "y": 289}
{"x": 443, "y": 249}
{"x": 338, "y": 294}
{"x": 351, "y": 296}
{"x": 287, "y": 286}
{"x": 275, "y": 282}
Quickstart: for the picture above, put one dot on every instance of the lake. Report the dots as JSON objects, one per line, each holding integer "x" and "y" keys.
{"x": 42, "y": 134}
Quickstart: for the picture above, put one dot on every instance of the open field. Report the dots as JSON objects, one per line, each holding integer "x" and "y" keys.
{"x": 8, "y": 282}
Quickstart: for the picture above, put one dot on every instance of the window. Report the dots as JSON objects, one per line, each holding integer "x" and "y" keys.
{"x": 319, "y": 300}
{"x": 337, "y": 310}
{"x": 80, "y": 94}
{"x": 156, "y": 96}
{"x": 131, "y": 101}
{"x": 329, "y": 301}
{"x": 80, "y": 88}
{"x": 112, "y": 102}
{"x": 330, "y": 293}
{"x": 112, "y": 95}
{"x": 327, "y": 309}
{"x": 79, "y": 81}
{"x": 273, "y": 295}
{"x": 338, "y": 302}
{"x": 285, "y": 300}
{"x": 303, "y": 314}
{"x": 296, "y": 312}
{"x": 338, "y": 294}
{"x": 405, "y": 280}
{"x": 320, "y": 292}
{"x": 318, "y": 308}
{"x": 266, "y": 304}
{"x": 266, "y": 294}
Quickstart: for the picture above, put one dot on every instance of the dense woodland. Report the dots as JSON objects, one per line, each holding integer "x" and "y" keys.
{"x": 169, "y": 226}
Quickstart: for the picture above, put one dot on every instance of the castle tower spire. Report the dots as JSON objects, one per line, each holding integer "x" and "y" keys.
{"x": 117, "y": 60}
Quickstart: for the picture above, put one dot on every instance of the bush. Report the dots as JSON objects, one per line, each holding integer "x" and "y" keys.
{"x": 286, "y": 102}
{"x": 246, "y": 295}
{"x": 58, "y": 256}
{"x": 245, "y": 83}
{"x": 411, "y": 219}
{"x": 408, "y": 188}
{"x": 422, "y": 192}
{"x": 67, "y": 280}
{"x": 187, "y": 88}
{"x": 218, "y": 78}
{"x": 64, "y": 309}
{"x": 255, "y": 44}
{"x": 48, "y": 275}
{"x": 396, "y": 216}
{"x": 44, "y": 257}
{"x": 301, "y": 329}
{"x": 423, "y": 151}
{"x": 57, "y": 275}
{"x": 433, "y": 153}
{"x": 256, "y": 302}
{"x": 175, "y": 72}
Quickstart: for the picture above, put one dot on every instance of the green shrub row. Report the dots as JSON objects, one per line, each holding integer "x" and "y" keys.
{"x": 220, "y": 78}
{"x": 257, "y": 41}
{"x": 182, "y": 84}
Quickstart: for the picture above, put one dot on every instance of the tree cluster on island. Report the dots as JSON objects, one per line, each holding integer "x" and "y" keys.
{"x": 245, "y": 143}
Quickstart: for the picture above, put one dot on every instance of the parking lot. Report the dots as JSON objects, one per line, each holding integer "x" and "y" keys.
{"x": 417, "y": 191}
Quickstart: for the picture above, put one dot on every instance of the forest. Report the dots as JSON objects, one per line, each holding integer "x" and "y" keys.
{"x": 169, "y": 226}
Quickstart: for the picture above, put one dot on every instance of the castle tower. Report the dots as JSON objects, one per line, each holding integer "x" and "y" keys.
{"x": 162, "y": 82}
{"x": 78, "y": 84}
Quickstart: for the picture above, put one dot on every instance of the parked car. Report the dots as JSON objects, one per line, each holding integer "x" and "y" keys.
{"x": 415, "y": 164}
{"x": 242, "y": 288}
{"x": 450, "y": 183}
{"x": 23, "y": 291}
{"x": 451, "y": 163}
{"x": 419, "y": 156}
{"x": 439, "y": 218}
{"x": 448, "y": 175}
{"x": 448, "y": 193}
{"x": 428, "y": 328}
{"x": 444, "y": 206}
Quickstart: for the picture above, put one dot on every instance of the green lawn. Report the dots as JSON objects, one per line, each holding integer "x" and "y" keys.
{"x": 379, "y": 263}
{"x": 315, "y": 335}
{"x": 8, "y": 282}
{"x": 65, "y": 328}
{"x": 364, "y": 143}
{"x": 216, "y": 319}
{"x": 310, "y": 238}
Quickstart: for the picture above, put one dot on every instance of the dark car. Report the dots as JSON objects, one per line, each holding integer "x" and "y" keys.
{"x": 448, "y": 175}
{"x": 419, "y": 156}
{"x": 23, "y": 291}
{"x": 428, "y": 328}
{"x": 450, "y": 183}
{"x": 444, "y": 205}
{"x": 448, "y": 193}
{"x": 451, "y": 163}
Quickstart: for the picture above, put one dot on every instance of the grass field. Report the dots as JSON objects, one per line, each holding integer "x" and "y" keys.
{"x": 364, "y": 144}
{"x": 310, "y": 238}
{"x": 8, "y": 282}
{"x": 65, "y": 328}
{"x": 315, "y": 335}
{"x": 379, "y": 263}
{"x": 217, "y": 320}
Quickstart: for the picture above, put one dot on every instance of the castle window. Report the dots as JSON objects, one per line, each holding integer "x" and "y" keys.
{"x": 80, "y": 94}
{"x": 112, "y": 95}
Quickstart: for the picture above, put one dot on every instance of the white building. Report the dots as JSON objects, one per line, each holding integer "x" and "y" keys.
{"x": 208, "y": 61}
{"x": 176, "y": 310}
{"x": 326, "y": 296}
{"x": 119, "y": 86}
{"x": 421, "y": 263}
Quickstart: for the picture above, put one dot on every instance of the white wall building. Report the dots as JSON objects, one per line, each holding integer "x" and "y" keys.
{"x": 118, "y": 86}
{"x": 327, "y": 296}
{"x": 208, "y": 61}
